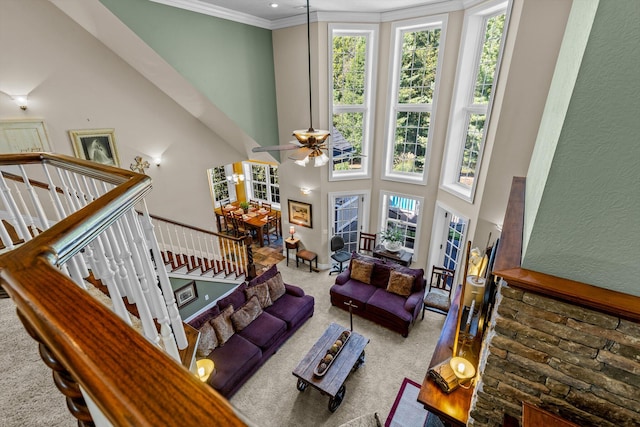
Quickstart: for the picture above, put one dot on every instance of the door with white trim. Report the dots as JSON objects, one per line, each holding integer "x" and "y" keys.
{"x": 347, "y": 217}
{"x": 448, "y": 240}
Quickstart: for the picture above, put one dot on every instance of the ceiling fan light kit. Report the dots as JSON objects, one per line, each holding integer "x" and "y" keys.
{"x": 310, "y": 142}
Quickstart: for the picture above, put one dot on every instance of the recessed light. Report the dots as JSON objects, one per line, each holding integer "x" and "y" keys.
{"x": 274, "y": 5}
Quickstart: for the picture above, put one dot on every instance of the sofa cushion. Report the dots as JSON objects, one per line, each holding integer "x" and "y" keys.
{"x": 262, "y": 292}
{"x": 388, "y": 306}
{"x": 204, "y": 317}
{"x": 400, "y": 283}
{"x": 223, "y": 326}
{"x": 233, "y": 361}
{"x": 242, "y": 317}
{"x": 380, "y": 275}
{"x": 235, "y": 298}
{"x": 417, "y": 273}
{"x": 264, "y": 331}
{"x": 361, "y": 270}
{"x": 276, "y": 287}
{"x": 268, "y": 274}
{"x": 354, "y": 290}
{"x": 208, "y": 340}
{"x": 292, "y": 309}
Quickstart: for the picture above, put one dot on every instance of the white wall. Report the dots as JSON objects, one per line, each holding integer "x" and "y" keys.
{"x": 75, "y": 82}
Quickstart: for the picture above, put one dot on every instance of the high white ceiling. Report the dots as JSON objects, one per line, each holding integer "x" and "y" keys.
{"x": 260, "y": 12}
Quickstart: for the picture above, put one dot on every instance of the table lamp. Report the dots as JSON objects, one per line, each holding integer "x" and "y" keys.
{"x": 463, "y": 370}
{"x": 292, "y": 231}
{"x": 205, "y": 369}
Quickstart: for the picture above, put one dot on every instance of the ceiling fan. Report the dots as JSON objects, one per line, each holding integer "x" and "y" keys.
{"x": 310, "y": 142}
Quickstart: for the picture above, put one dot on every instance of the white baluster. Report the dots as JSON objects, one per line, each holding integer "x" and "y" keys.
{"x": 154, "y": 295}
{"x": 60, "y": 213}
{"x": 167, "y": 291}
{"x": 15, "y": 218}
{"x": 25, "y": 213}
{"x": 144, "y": 313}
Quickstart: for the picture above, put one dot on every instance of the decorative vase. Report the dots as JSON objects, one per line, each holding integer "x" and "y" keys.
{"x": 393, "y": 246}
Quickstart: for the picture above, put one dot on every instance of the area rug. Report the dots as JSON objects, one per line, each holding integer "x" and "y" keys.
{"x": 406, "y": 410}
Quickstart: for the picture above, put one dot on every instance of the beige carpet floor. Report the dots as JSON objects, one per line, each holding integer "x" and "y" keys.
{"x": 28, "y": 396}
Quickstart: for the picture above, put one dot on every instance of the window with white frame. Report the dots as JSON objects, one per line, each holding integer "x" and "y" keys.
{"x": 470, "y": 110}
{"x": 262, "y": 182}
{"x": 352, "y": 49}
{"x": 417, "y": 48}
{"x": 402, "y": 212}
{"x": 222, "y": 193}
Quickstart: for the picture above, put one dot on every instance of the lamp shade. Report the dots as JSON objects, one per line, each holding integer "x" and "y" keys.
{"x": 205, "y": 368}
{"x": 462, "y": 368}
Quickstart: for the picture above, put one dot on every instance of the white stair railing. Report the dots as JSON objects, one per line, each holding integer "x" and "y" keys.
{"x": 190, "y": 248}
{"x": 41, "y": 195}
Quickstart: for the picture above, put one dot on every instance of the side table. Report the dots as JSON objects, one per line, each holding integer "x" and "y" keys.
{"x": 291, "y": 243}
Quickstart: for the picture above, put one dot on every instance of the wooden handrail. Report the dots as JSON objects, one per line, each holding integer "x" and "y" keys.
{"x": 508, "y": 266}
{"x": 131, "y": 381}
{"x": 201, "y": 230}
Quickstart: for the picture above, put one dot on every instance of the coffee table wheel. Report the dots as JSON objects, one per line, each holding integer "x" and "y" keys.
{"x": 360, "y": 361}
{"x": 335, "y": 402}
{"x": 302, "y": 385}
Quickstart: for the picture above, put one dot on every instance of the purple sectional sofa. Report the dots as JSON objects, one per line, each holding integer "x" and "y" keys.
{"x": 384, "y": 292}
{"x": 260, "y": 323}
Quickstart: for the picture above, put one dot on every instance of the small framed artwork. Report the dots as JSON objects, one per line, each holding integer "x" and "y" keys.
{"x": 97, "y": 145}
{"x": 300, "y": 213}
{"x": 186, "y": 294}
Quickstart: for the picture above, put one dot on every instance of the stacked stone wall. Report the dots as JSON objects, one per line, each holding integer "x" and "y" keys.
{"x": 578, "y": 363}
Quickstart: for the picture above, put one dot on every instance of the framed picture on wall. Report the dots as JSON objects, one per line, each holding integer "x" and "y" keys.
{"x": 23, "y": 136}
{"x": 300, "y": 213}
{"x": 97, "y": 145}
{"x": 186, "y": 294}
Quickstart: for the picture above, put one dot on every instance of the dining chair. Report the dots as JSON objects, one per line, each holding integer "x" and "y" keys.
{"x": 271, "y": 227}
{"x": 266, "y": 206}
{"x": 254, "y": 204}
{"x": 367, "y": 242}
{"x": 239, "y": 227}
{"x": 438, "y": 298}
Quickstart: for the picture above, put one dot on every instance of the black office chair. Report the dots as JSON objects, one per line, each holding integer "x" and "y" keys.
{"x": 339, "y": 256}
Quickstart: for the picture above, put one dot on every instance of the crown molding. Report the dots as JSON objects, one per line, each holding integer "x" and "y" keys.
{"x": 199, "y": 6}
{"x": 219, "y": 12}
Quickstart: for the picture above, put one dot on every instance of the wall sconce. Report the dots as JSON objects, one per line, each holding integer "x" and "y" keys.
{"x": 235, "y": 178}
{"x": 463, "y": 370}
{"x": 157, "y": 161}
{"x": 305, "y": 190}
{"x": 499, "y": 227}
{"x": 292, "y": 231}
{"x": 20, "y": 100}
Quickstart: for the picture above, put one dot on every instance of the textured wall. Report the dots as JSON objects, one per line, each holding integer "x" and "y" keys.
{"x": 587, "y": 225}
{"x": 230, "y": 63}
{"x": 578, "y": 363}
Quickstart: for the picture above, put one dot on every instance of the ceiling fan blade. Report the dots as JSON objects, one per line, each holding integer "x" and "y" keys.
{"x": 276, "y": 148}
{"x": 300, "y": 153}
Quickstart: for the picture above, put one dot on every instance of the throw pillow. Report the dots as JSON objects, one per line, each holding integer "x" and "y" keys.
{"x": 262, "y": 292}
{"x": 223, "y": 326}
{"x": 246, "y": 314}
{"x": 400, "y": 283}
{"x": 208, "y": 340}
{"x": 361, "y": 271}
{"x": 276, "y": 287}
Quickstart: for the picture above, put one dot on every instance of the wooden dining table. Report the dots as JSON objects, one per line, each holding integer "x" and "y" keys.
{"x": 254, "y": 219}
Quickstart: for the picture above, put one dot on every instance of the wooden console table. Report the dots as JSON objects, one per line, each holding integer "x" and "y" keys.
{"x": 401, "y": 257}
{"x": 452, "y": 408}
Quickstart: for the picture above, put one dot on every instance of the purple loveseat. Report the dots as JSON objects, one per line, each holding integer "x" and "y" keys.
{"x": 384, "y": 292}
{"x": 249, "y": 348}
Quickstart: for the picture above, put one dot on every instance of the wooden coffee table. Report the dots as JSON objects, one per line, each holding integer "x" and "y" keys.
{"x": 348, "y": 360}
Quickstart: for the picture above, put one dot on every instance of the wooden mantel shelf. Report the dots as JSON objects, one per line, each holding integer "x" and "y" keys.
{"x": 452, "y": 407}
